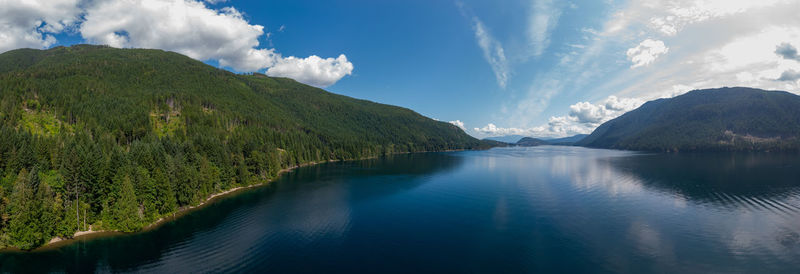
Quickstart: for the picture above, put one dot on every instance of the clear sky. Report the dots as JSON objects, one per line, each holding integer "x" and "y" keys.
{"x": 540, "y": 68}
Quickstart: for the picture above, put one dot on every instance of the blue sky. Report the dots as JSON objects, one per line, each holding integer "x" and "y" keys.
{"x": 540, "y": 68}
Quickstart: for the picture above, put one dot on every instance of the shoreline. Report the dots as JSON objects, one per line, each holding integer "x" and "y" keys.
{"x": 56, "y": 242}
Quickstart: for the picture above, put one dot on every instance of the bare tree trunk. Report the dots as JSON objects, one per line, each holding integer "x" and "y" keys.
{"x": 77, "y": 213}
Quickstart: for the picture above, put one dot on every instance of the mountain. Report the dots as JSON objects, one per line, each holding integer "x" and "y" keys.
{"x": 566, "y": 141}
{"x": 118, "y": 138}
{"x": 529, "y": 142}
{"x": 514, "y": 139}
{"x": 713, "y": 119}
{"x": 511, "y": 139}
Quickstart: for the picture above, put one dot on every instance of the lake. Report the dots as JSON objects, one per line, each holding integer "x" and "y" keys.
{"x": 538, "y": 209}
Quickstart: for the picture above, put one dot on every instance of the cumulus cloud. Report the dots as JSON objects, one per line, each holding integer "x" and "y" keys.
{"x": 312, "y": 70}
{"x": 32, "y": 23}
{"x": 646, "y": 52}
{"x": 492, "y": 51}
{"x": 560, "y": 126}
{"x": 789, "y": 76}
{"x": 787, "y": 51}
{"x": 582, "y": 119}
{"x": 588, "y": 113}
{"x": 459, "y": 124}
{"x": 185, "y": 26}
{"x": 493, "y": 130}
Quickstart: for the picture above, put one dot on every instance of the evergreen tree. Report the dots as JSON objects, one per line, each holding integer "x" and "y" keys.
{"x": 123, "y": 214}
{"x": 25, "y": 228}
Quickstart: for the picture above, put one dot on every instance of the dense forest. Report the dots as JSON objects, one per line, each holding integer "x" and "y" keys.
{"x": 723, "y": 119}
{"x": 114, "y": 139}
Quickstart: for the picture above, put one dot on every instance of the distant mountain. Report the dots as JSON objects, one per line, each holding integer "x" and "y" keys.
{"x": 712, "y": 119}
{"x": 511, "y": 139}
{"x": 530, "y": 142}
{"x": 566, "y": 141}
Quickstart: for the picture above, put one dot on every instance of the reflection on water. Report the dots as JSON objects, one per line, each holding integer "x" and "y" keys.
{"x": 229, "y": 231}
{"x": 540, "y": 209}
{"x": 731, "y": 179}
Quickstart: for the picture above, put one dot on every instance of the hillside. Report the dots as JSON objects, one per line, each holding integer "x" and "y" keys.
{"x": 723, "y": 119}
{"x": 510, "y": 139}
{"x": 529, "y": 142}
{"x": 566, "y": 141}
{"x": 118, "y": 138}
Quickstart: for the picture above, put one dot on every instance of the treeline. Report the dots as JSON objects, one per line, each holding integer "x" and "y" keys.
{"x": 115, "y": 139}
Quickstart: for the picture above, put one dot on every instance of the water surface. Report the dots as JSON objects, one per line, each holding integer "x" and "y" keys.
{"x": 556, "y": 209}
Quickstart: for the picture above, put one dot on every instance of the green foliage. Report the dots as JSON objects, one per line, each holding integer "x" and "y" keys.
{"x": 716, "y": 119}
{"x": 530, "y": 142}
{"x": 42, "y": 123}
{"x": 122, "y": 211}
{"x": 122, "y": 137}
{"x": 33, "y": 212}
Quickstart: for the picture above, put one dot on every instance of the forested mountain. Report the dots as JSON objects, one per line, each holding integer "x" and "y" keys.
{"x": 714, "y": 119}
{"x": 567, "y": 141}
{"x": 118, "y": 138}
{"x": 510, "y": 139}
{"x": 530, "y": 141}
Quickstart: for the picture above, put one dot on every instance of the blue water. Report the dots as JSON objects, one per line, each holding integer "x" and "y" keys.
{"x": 540, "y": 209}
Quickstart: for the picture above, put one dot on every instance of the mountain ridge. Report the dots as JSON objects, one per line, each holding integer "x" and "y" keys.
{"x": 722, "y": 119}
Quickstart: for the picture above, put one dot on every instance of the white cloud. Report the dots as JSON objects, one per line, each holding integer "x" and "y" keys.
{"x": 646, "y": 52}
{"x": 187, "y": 27}
{"x": 312, "y": 70}
{"x": 32, "y": 23}
{"x": 459, "y": 124}
{"x": 542, "y": 20}
{"x": 493, "y": 130}
{"x": 184, "y": 26}
{"x": 582, "y": 119}
{"x": 492, "y": 51}
{"x": 588, "y": 113}
{"x": 673, "y": 16}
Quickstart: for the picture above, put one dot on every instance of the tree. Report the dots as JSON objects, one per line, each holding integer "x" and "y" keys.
{"x": 164, "y": 193}
{"x": 123, "y": 212}
{"x": 29, "y": 226}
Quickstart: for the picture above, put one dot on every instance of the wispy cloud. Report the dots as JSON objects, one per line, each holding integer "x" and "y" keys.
{"x": 543, "y": 18}
{"x": 492, "y": 51}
